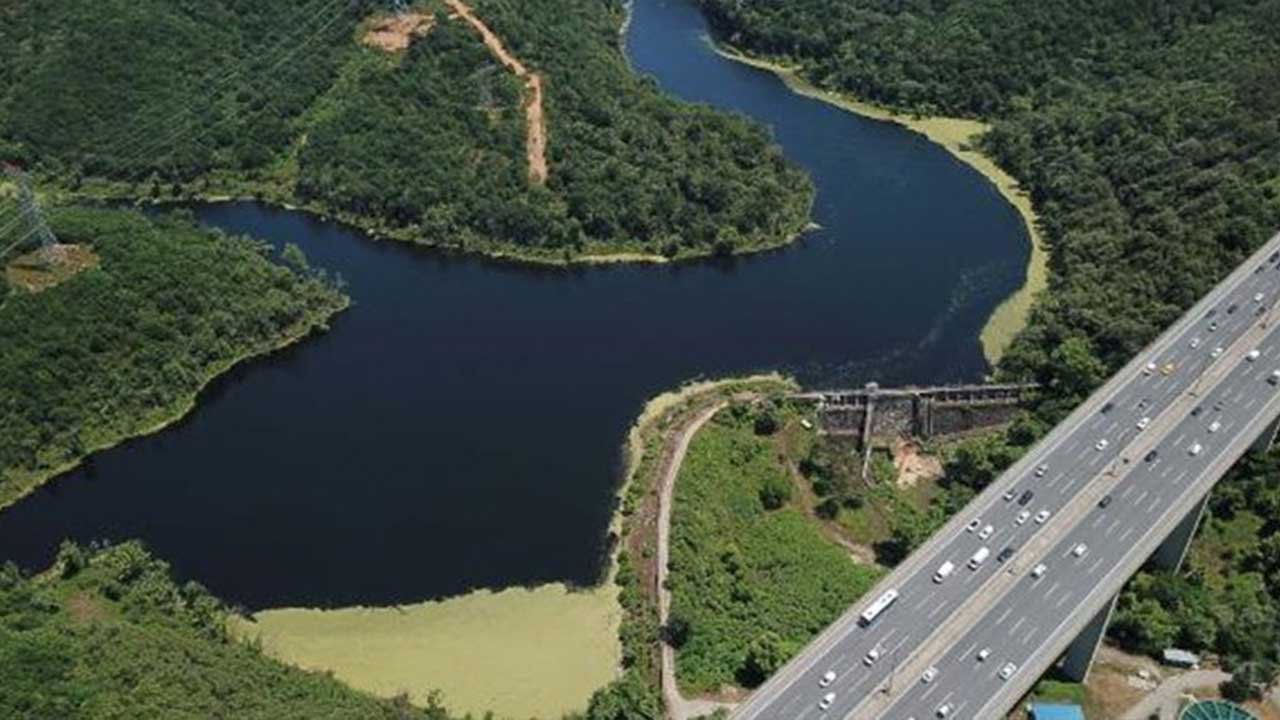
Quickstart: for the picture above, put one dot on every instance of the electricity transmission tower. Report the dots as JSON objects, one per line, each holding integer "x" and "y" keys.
{"x": 33, "y": 223}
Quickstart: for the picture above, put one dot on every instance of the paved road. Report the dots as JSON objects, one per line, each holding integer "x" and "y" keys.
{"x": 1030, "y": 621}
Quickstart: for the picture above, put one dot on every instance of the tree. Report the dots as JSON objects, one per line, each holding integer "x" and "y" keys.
{"x": 765, "y": 655}
{"x": 627, "y": 698}
{"x": 775, "y": 492}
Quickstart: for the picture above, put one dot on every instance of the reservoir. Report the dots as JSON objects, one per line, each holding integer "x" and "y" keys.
{"x": 460, "y": 426}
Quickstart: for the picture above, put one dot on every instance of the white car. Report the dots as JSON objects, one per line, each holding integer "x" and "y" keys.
{"x": 929, "y": 675}
{"x": 986, "y": 532}
{"x": 1042, "y": 516}
{"x": 973, "y": 525}
{"x": 828, "y": 678}
{"x": 1194, "y": 449}
{"x": 1215, "y": 426}
{"x": 1102, "y": 445}
{"x": 1022, "y": 517}
{"x": 944, "y": 710}
{"x": 1080, "y": 550}
{"x": 1216, "y": 352}
{"x": 1274, "y": 378}
{"x": 983, "y": 654}
{"x": 1150, "y": 368}
{"x": 1037, "y": 572}
{"x": 1195, "y": 343}
{"x": 1040, "y": 471}
{"x": 1007, "y": 671}
{"x": 1143, "y": 423}
{"x": 1011, "y": 493}
{"x": 1257, "y": 297}
{"x": 872, "y": 656}
{"x": 826, "y": 701}
{"x": 1253, "y": 355}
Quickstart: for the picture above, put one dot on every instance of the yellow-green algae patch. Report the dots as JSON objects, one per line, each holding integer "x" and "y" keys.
{"x": 957, "y": 136}
{"x": 519, "y": 653}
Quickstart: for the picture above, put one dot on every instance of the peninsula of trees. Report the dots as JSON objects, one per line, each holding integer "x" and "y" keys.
{"x": 168, "y": 100}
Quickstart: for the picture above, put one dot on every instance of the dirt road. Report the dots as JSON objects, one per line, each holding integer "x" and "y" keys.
{"x": 535, "y": 118}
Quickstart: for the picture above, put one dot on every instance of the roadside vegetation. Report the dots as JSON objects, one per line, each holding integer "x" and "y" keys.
{"x": 1147, "y": 139}
{"x": 752, "y": 578}
{"x": 121, "y": 349}
{"x": 168, "y": 101}
{"x": 107, "y": 633}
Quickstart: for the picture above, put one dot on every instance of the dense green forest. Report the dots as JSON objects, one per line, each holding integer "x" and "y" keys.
{"x": 160, "y": 99}
{"x": 121, "y": 348}
{"x": 1148, "y": 134}
{"x": 106, "y": 633}
{"x": 752, "y": 579}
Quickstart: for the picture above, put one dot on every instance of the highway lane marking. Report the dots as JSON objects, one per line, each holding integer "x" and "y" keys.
{"x": 1128, "y": 489}
{"x": 1001, "y": 619}
{"x": 1027, "y": 640}
{"x": 1154, "y": 504}
{"x": 1017, "y": 625}
{"x": 1049, "y": 593}
{"x": 1113, "y": 527}
{"x": 1094, "y": 566}
{"x": 1061, "y": 600}
{"x": 1142, "y": 497}
{"x": 937, "y": 610}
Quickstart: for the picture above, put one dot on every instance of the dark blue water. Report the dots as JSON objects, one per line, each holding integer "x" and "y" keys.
{"x": 460, "y": 426}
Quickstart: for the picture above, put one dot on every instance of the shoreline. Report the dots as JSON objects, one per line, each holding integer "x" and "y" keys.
{"x": 171, "y": 416}
{"x": 953, "y": 134}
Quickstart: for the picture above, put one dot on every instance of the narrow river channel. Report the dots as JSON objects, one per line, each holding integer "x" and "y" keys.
{"x": 460, "y": 426}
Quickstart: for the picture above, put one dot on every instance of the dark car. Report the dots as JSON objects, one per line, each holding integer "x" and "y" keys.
{"x": 1105, "y": 501}
{"x": 1005, "y": 554}
{"x": 1107, "y": 408}
{"x": 1211, "y": 313}
{"x": 1274, "y": 256}
{"x": 1217, "y": 406}
{"x": 1151, "y": 456}
{"x": 1195, "y": 411}
{"x": 1026, "y": 497}
{"x": 1232, "y": 308}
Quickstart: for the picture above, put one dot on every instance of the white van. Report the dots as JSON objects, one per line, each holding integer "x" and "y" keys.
{"x": 944, "y": 571}
{"x": 979, "y": 557}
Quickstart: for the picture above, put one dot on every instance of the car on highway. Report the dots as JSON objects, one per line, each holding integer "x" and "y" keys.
{"x": 1022, "y": 517}
{"x": 1006, "y": 553}
{"x": 1213, "y": 326}
{"x": 1150, "y": 368}
{"x": 1168, "y": 369}
{"x": 944, "y": 710}
{"x": 983, "y": 654}
{"x": 943, "y": 571}
{"x": 1253, "y": 355}
{"x": 1151, "y": 456}
{"x": 872, "y": 656}
{"x": 986, "y": 532}
{"x": 1011, "y": 492}
{"x": 1040, "y": 471}
{"x": 1194, "y": 449}
{"x": 827, "y": 678}
{"x": 929, "y": 675}
{"x": 973, "y": 525}
{"x": 1026, "y": 497}
{"x": 1107, "y": 408}
{"x": 1257, "y": 297}
{"x": 1215, "y": 426}
{"x": 1195, "y": 343}
{"x": 1038, "y": 571}
{"x": 1080, "y": 550}
{"x": 1007, "y": 671}
{"x": 979, "y": 557}
{"x": 1217, "y": 407}
{"x": 1195, "y": 411}
{"x": 826, "y": 701}
{"x": 1232, "y": 308}
{"x": 1143, "y": 423}
{"x": 1105, "y": 501}
{"x": 1216, "y": 352}
{"x": 1042, "y": 516}
{"x": 1274, "y": 378}
{"x": 1101, "y": 445}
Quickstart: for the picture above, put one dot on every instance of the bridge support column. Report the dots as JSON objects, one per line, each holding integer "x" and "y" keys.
{"x": 1173, "y": 550}
{"x": 1078, "y": 659}
{"x": 1267, "y": 438}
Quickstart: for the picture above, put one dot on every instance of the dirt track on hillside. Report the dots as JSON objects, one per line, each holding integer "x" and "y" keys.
{"x": 535, "y": 118}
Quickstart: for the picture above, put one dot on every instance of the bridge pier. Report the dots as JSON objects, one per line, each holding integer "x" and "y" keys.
{"x": 1173, "y": 550}
{"x": 1078, "y": 659}
{"x": 1266, "y": 439}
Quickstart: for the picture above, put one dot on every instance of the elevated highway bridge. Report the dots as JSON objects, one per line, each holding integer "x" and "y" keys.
{"x": 1120, "y": 482}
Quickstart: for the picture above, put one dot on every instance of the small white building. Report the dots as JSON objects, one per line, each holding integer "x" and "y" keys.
{"x": 1180, "y": 658}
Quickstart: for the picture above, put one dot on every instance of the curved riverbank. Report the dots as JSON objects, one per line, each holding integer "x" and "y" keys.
{"x": 956, "y": 135}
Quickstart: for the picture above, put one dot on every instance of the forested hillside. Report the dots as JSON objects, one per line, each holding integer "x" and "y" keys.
{"x": 160, "y": 99}
{"x": 107, "y": 634}
{"x": 1148, "y": 134}
{"x": 124, "y": 347}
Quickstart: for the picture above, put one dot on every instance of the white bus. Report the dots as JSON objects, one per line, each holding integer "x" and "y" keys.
{"x": 874, "y": 609}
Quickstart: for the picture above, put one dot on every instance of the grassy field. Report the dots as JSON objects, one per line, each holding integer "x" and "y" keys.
{"x": 519, "y": 653}
{"x": 957, "y": 136}
{"x": 750, "y": 584}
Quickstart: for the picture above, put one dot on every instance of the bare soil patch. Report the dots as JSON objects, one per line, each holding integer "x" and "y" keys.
{"x": 914, "y": 465}
{"x": 45, "y": 268}
{"x": 535, "y": 118}
{"x": 85, "y": 608}
{"x": 395, "y": 33}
